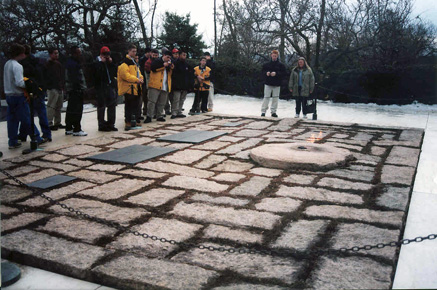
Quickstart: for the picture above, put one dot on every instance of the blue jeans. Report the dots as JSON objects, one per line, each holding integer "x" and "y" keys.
{"x": 18, "y": 112}
{"x": 39, "y": 109}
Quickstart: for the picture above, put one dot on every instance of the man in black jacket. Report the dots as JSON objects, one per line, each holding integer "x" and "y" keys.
{"x": 273, "y": 72}
{"x": 105, "y": 83}
{"x": 182, "y": 83}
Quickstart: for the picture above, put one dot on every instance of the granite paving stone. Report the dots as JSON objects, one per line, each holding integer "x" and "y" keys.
{"x": 236, "y": 148}
{"x": 45, "y": 249}
{"x": 84, "y": 230}
{"x": 403, "y": 156}
{"x": 220, "y": 200}
{"x": 78, "y": 150}
{"x": 351, "y": 235}
{"x": 21, "y": 220}
{"x": 300, "y": 179}
{"x": 103, "y": 140}
{"x": 10, "y": 193}
{"x": 229, "y": 177}
{"x": 412, "y": 135}
{"x": 142, "y": 173}
{"x": 230, "y": 139}
{"x": 397, "y": 174}
{"x": 280, "y": 204}
{"x": 376, "y": 150}
{"x": 300, "y": 235}
{"x": 106, "y": 167}
{"x": 236, "y": 235}
{"x": 137, "y": 272}
{"x": 226, "y": 216}
{"x": 360, "y": 214}
{"x": 94, "y": 176}
{"x": 64, "y": 191}
{"x": 343, "y": 184}
{"x": 176, "y": 169}
{"x": 20, "y": 171}
{"x": 253, "y": 187}
{"x": 78, "y": 162}
{"x": 361, "y": 167}
{"x": 170, "y": 229}
{"x": 248, "y": 287}
{"x": 155, "y": 197}
{"x": 44, "y": 173}
{"x": 255, "y": 266}
{"x": 346, "y": 146}
{"x": 269, "y": 172}
{"x": 34, "y": 202}
{"x": 186, "y": 157}
{"x": 212, "y": 145}
{"x": 233, "y": 166}
{"x": 136, "y": 141}
{"x": 366, "y": 176}
{"x": 258, "y": 125}
{"x": 361, "y": 136}
{"x": 116, "y": 189}
{"x": 27, "y": 157}
{"x": 210, "y": 161}
{"x": 5, "y": 165}
{"x": 102, "y": 210}
{"x": 250, "y": 133}
{"x": 54, "y": 157}
{"x": 195, "y": 183}
{"x": 320, "y": 194}
{"x": 394, "y": 197}
{"x": 351, "y": 273}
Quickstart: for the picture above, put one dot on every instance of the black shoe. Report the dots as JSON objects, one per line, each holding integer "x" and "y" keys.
{"x": 203, "y": 112}
{"x": 141, "y": 118}
{"x": 104, "y": 129}
{"x": 22, "y": 139}
{"x": 167, "y": 112}
{"x": 161, "y": 119}
{"x": 181, "y": 116}
{"x": 274, "y": 115}
{"x": 113, "y": 129}
{"x": 53, "y": 128}
{"x": 45, "y": 140}
{"x": 173, "y": 117}
{"x": 263, "y": 114}
{"x": 18, "y": 145}
{"x": 147, "y": 120}
{"x": 60, "y": 126}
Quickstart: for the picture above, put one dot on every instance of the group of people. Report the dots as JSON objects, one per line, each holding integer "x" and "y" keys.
{"x": 153, "y": 86}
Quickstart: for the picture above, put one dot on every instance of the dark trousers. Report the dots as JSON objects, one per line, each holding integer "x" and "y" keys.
{"x": 39, "y": 110}
{"x": 301, "y": 102}
{"x": 145, "y": 99}
{"x": 106, "y": 99}
{"x": 200, "y": 97}
{"x": 131, "y": 103}
{"x": 74, "y": 111}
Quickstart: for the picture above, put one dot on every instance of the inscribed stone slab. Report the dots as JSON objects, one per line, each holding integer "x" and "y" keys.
{"x": 192, "y": 136}
{"x": 51, "y": 181}
{"x": 132, "y": 154}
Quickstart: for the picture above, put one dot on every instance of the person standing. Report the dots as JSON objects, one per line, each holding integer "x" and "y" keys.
{"x": 129, "y": 80}
{"x": 54, "y": 76}
{"x": 202, "y": 75}
{"x": 159, "y": 86}
{"x": 146, "y": 73}
{"x": 211, "y": 64}
{"x": 174, "y": 58}
{"x": 75, "y": 84}
{"x": 18, "y": 107}
{"x": 182, "y": 83}
{"x": 301, "y": 85}
{"x": 106, "y": 85}
{"x": 273, "y": 72}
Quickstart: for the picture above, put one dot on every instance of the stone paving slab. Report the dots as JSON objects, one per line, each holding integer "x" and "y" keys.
{"x": 21, "y": 220}
{"x": 252, "y": 187}
{"x": 155, "y": 197}
{"x": 240, "y": 236}
{"x": 320, "y": 194}
{"x": 116, "y": 189}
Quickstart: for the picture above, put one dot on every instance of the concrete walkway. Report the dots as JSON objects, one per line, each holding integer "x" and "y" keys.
{"x": 417, "y": 263}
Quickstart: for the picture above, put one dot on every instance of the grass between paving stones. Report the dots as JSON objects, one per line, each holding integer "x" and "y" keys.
{"x": 227, "y": 277}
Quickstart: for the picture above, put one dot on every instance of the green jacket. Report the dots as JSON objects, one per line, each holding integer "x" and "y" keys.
{"x": 307, "y": 81}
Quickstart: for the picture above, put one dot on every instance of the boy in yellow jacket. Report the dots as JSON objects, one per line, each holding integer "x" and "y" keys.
{"x": 202, "y": 84}
{"x": 130, "y": 80}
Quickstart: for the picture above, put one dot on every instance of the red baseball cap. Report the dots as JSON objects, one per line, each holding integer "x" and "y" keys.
{"x": 104, "y": 50}
{"x": 175, "y": 50}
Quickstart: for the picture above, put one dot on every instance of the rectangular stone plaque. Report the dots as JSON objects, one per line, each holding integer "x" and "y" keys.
{"x": 51, "y": 181}
{"x": 232, "y": 124}
{"x": 192, "y": 136}
{"x": 132, "y": 154}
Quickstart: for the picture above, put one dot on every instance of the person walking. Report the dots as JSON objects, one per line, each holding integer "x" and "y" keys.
{"x": 182, "y": 83}
{"x": 301, "y": 85}
{"x": 18, "y": 107}
{"x": 211, "y": 64}
{"x": 159, "y": 86}
{"x": 273, "y": 72}
{"x": 130, "y": 80}
{"x": 202, "y": 75}
{"x": 54, "y": 76}
{"x": 105, "y": 83}
{"x": 75, "y": 84}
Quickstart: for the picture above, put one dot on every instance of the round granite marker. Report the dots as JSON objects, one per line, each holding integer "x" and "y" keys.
{"x": 10, "y": 274}
{"x": 302, "y": 155}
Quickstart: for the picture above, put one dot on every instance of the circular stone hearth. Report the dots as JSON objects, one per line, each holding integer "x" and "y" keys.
{"x": 302, "y": 155}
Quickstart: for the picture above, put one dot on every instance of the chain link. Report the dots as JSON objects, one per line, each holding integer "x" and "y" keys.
{"x": 242, "y": 250}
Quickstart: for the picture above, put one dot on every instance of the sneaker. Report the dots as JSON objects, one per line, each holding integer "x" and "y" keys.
{"x": 263, "y": 114}
{"x": 173, "y": 117}
{"x": 18, "y": 145}
{"x": 181, "y": 116}
{"x": 147, "y": 120}
{"x": 70, "y": 132}
{"x": 296, "y": 116}
{"x": 80, "y": 133}
{"x": 305, "y": 117}
{"x": 274, "y": 115}
{"x": 161, "y": 119}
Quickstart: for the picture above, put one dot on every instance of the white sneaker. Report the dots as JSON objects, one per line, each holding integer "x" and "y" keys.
{"x": 296, "y": 116}
{"x": 69, "y": 132}
{"x": 80, "y": 133}
{"x": 305, "y": 117}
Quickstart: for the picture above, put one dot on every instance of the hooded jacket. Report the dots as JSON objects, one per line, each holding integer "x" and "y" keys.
{"x": 307, "y": 81}
{"x": 127, "y": 77}
{"x": 274, "y": 66}
{"x": 157, "y": 74}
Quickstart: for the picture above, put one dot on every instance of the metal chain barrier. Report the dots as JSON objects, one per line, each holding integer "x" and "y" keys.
{"x": 242, "y": 250}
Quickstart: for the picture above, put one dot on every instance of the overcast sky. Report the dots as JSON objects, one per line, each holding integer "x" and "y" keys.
{"x": 202, "y": 13}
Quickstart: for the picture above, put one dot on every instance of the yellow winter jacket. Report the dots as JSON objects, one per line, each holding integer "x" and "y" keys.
{"x": 206, "y": 74}
{"x": 127, "y": 77}
{"x": 157, "y": 75}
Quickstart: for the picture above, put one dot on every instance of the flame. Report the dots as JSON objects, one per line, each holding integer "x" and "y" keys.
{"x": 313, "y": 137}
